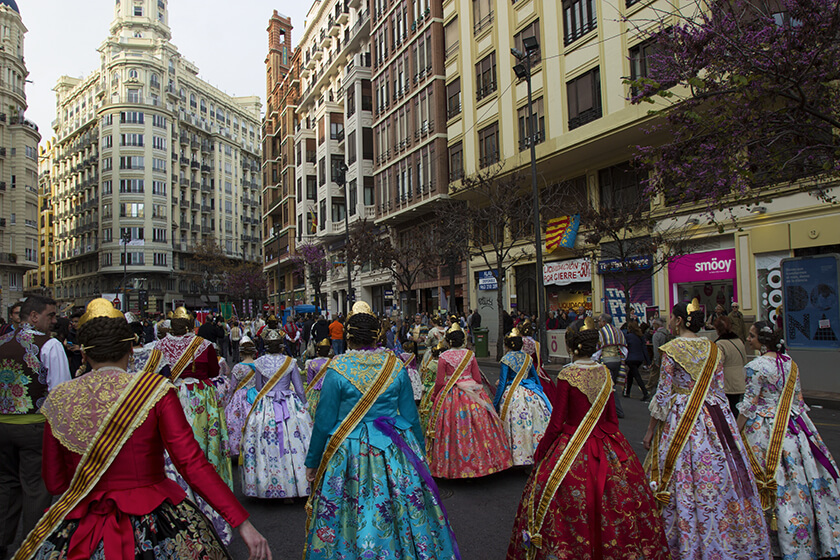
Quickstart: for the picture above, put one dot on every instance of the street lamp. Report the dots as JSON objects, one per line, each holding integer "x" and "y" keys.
{"x": 126, "y": 237}
{"x": 523, "y": 71}
{"x": 341, "y": 181}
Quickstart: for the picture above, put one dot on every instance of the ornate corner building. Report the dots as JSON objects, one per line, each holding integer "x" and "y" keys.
{"x": 19, "y": 139}
{"x": 150, "y": 163}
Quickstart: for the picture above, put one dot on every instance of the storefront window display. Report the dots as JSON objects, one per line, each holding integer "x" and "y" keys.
{"x": 710, "y": 276}
{"x": 568, "y": 284}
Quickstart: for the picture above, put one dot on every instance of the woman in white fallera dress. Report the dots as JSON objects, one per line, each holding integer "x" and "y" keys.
{"x": 806, "y": 508}
{"x": 242, "y": 378}
{"x": 277, "y": 429}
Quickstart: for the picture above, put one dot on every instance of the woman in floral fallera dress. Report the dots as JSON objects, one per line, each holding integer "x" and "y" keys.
{"x": 528, "y": 409}
{"x": 277, "y": 428}
{"x": 375, "y": 497}
{"x": 806, "y": 507}
{"x": 242, "y": 378}
{"x": 313, "y": 391}
{"x": 465, "y": 437}
{"x": 711, "y": 506}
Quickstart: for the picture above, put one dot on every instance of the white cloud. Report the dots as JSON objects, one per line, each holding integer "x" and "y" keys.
{"x": 227, "y": 40}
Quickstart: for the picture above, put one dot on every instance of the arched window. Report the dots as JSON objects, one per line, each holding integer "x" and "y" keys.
{"x": 203, "y": 106}
{"x": 132, "y": 73}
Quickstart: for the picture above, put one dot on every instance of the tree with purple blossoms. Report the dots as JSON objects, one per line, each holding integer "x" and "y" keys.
{"x": 311, "y": 261}
{"x": 750, "y": 101}
{"x": 246, "y": 281}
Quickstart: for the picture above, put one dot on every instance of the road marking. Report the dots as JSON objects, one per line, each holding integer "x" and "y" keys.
{"x": 826, "y": 424}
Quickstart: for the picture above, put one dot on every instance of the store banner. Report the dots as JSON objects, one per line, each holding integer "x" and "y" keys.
{"x": 561, "y": 273}
{"x": 768, "y": 270}
{"x": 641, "y": 296}
{"x": 711, "y": 267}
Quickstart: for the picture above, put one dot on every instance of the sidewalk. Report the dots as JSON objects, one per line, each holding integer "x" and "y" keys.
{"x": 824, "y": 399}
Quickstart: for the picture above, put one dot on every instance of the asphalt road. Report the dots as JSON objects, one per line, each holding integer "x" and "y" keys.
{"x": 481, "y": 510}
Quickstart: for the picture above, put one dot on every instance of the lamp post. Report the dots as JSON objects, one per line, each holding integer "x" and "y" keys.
{"x": 126, "y": 237}
{"x": 341, "y": 180}
{"x": 523, "y": 71}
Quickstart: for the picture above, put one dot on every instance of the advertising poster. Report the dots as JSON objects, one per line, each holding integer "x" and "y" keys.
{"x": 811, "y": 302}
{"x": 768, "y": 269}
{"x": 641, "y": 297}
{"x": 562, "y": 273}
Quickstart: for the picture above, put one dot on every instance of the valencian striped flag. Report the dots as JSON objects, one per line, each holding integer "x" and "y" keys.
{"x": 561, "y": 232}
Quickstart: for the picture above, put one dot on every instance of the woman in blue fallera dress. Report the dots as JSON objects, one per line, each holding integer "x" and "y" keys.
{"x": 373, "y": 497}
{"x": 524, "y": 409}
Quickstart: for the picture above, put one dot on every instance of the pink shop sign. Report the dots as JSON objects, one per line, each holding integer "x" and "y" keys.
{"x": 709, "y": 266}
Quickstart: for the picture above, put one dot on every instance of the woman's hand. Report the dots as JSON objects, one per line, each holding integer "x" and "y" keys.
{"x": 310, "y": 474}
{"x": 256, "y": 543}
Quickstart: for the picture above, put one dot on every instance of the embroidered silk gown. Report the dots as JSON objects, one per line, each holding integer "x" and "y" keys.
{"x": 604, "y": 508}
{"x": 134, "y": 511}
{"x": 529, "y": 346}
{"x": 376, "y": 499}
{"x": 428, "y": 374}
{"x": 198, "y": 396}
{"x": 529, "y": 411}
{"x": 313, "y": 366}
{"x": 714, "y": 509}
{"x": 469, "y": 438}
{"x": 276, "y": 435}
{"x": 238, "y": 407}
{"x": 808, "y": 499}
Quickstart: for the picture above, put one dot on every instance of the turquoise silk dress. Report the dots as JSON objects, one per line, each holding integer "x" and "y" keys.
{"x": 376, "y": 498}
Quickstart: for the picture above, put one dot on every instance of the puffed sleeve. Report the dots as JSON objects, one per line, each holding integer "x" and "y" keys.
{"x": 749, "y": 404}
{"x": 660, "y": 404}
{"x": 54, "y": 469}
{"x": 504, "y": 373}
{"x": 326, "y": 417}
{"x": 191, "y": 462}
{"x": 555, "y": 424}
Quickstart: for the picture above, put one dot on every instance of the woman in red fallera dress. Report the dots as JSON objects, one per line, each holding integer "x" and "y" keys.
{"x": 603, "y": 508}
{"x": 133, "y": 510}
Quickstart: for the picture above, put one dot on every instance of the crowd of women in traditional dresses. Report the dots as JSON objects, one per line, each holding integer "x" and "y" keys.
{"x": 362, "y": 436}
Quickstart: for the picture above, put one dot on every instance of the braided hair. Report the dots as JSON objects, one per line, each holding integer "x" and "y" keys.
{"x": 582, "y": 343}
{"x": 770, "y": 337}
{"x": 456, "y": 339}
{"x": 248, "y": 349}
{"x": 362, "y": 329}
{"x": 692, "y": 321}
{"x": 105, "y": 339}
{"x": 180, "y": 327}
{"x": 514, "y": 343}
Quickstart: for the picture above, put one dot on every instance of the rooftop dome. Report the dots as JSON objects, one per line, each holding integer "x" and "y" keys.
{"x": 11, "y": 4}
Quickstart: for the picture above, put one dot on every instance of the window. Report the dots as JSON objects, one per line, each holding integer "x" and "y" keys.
{"x": 107, "y": 187}
{"x": 453, "y": 98}
{"x": 482, "y": 14}
{"x": 353, "y": 195}
{"x": 456, "y": 161}
{"x": 107, "y": 235}
{"x": 132, "y": 186}
{"x": 350, "y": 100}
{"x": 159, "y": 187}
{"x": 138, "y": 10}
{"x": 159, "y": 142}
{"x": 578, "y": 19}
{"x": 532, "y": 30}
{"x": 131, "y": 140}
{"x": 537, "y": 126}
{"x": 134, "y": 95}
{"x": 132, "y": 210}
{"x": 322, "y": 171}
{"x": 485, "y": 76}
{"x": 584, "y": 98}
{"x": 351, "y": 148}
{"x": 132, "y": 117}
{"x": 367, "y": 96}
{"x": 336, "y": 131}
{"x": 132, "y": 258}
{"x": 337, "y": 168}
{"x": 488, "y": 145}
{"x": 368, "y": 191}
{"x": 639, "y": 60}
{"x": 619, "y": 186}
{"x": 367, "y": 143}
{"x": 323, "y": 214}
{"x": 159, "y": 121}
{"x": 132, "y": 162}
{"x": 451, "y": 37}
{"x": 159, "y": 235}
{"x": 311, "y": 188}
{"x": 107, "y": 164}
{"x": 337, "y": 210}
{"x": 107, "y": 142}
{"x": 154, "y": 80}
{"x": 160, "y": 259}
{"x": 159, "y": 164}
{"x": 158, "y": 211}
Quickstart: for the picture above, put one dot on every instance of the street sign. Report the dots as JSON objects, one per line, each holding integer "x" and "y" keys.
{"x": 266, "y": 307}
{"x": 117, "y": 302}
{"x": 487, "y": 280}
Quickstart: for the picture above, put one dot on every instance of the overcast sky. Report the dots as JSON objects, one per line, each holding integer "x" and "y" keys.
{"x": 226, "y": 39}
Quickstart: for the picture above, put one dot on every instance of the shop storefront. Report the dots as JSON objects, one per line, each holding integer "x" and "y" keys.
{"x": 709, "y": 276}
{"x": 622, "y": 279}
{"x": 568, "y": 284}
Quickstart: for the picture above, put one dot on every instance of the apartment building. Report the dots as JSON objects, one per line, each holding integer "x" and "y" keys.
{"x": 152, "y": 162}
{"x": 19, "y": 139}
{"x": 411, "y": 171}
{"x": 334, "y": 131}
{"x": 285, "y": 287}
{"x": 41, "y": 279}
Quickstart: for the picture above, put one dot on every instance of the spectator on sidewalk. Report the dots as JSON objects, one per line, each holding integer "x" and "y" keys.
{"x": 337, "y": 335}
